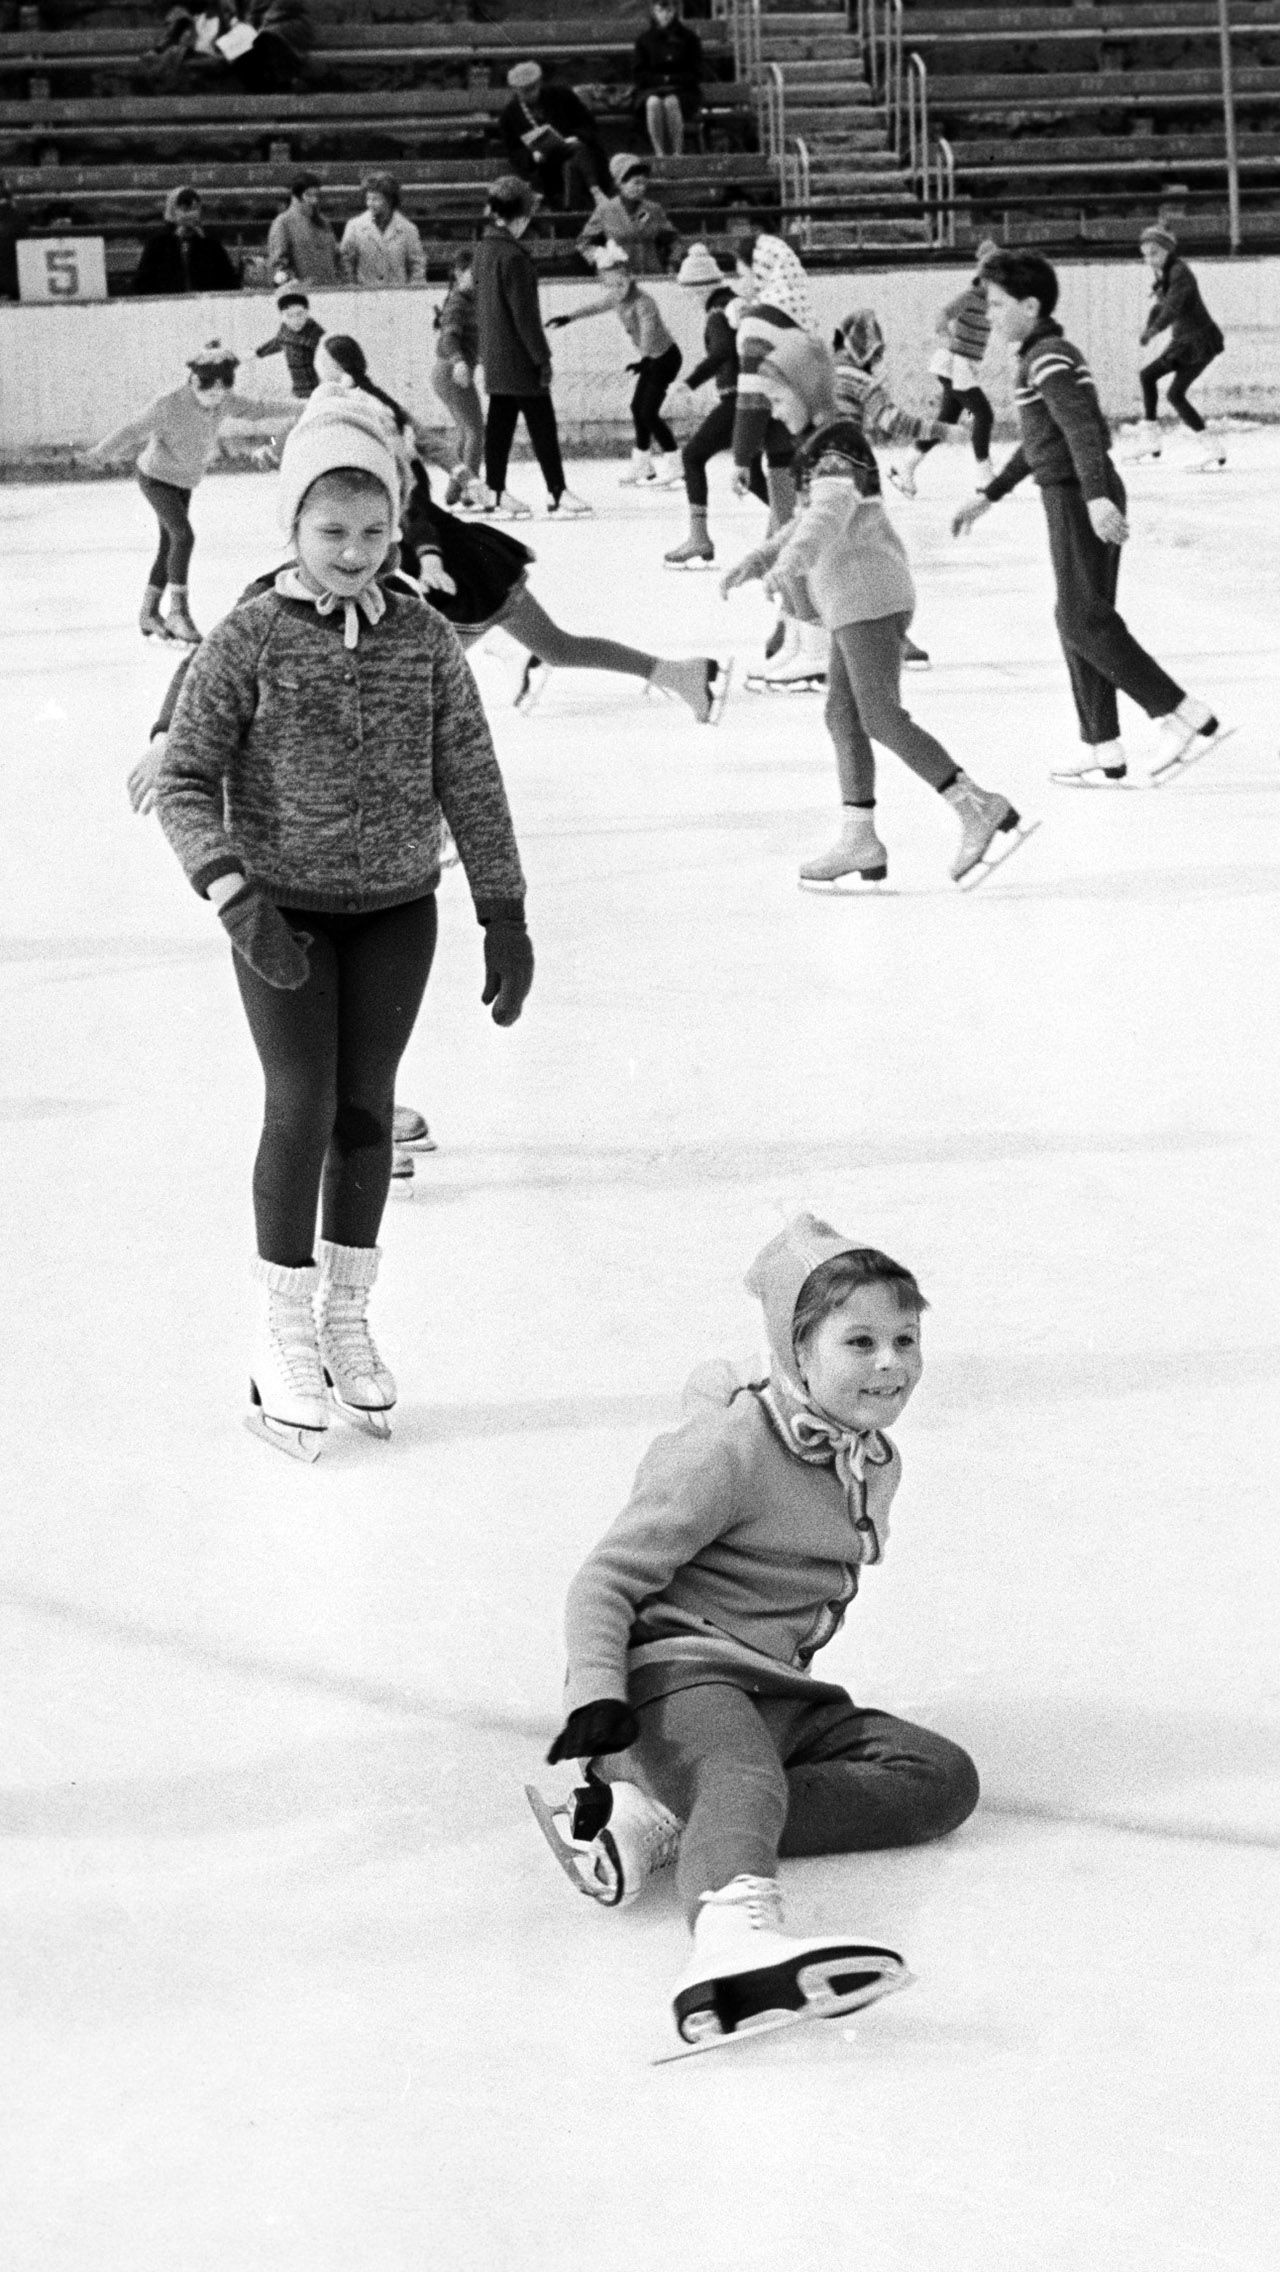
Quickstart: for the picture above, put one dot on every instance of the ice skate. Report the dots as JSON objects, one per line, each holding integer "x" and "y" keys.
{"x": 177, "y": 622}
{"x": 903, "y": 477}
{"x": 983, "y": 472}
{"x": 568, "y": 506}
{"x": 800, "y": 665}
{"x": 409, "y": 1130}
{"x": 984, "y": 815}
{"x": 697, "y": 551}
{"x": 360, "y": 1384}
{"x": 668, "y": 470}
{"x": 1100, "y": 765}
{"x": 638, "y": 473}
{"x": 1146, "y": 444}
{"x": 402, "y": 1167}
{"x": 746, "y": 1970}
{"x": 1213, "y": 461}
{"x": 506, "y": 507}
{"x": 913, "y": 658}
{"x": 150, "y": 621}
{"x": 1188, "y": 733}
{"x": 286, "y": 1384}
{"x": 857, "y": 853}
{"x": 534, "y": 680}
{"x": 609, "y": 1838}
{"x": 701, "y": 681}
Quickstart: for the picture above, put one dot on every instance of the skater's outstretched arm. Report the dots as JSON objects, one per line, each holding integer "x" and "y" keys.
{"x": 127, "y": 439}
{"x": 579, "y": 315}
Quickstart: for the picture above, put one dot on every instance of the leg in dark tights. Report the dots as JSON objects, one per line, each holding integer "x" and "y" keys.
{"x": 1183, "y": 372}
{"x": 329, "y": 1056}
{"x": 499, "y": 433}
{"x": 526, "y": 621}
{"x": 656, "y": 375}
{"x": 177, "y": 537}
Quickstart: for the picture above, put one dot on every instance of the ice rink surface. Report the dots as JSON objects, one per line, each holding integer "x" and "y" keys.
{"x": 295, "y": 1986}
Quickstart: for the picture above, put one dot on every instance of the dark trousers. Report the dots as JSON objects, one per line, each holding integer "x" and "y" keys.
{"x": 329, "y": 1057}
{"x": 756, "y": 1777}
{"x": 656, "y": 375}
{"x": 951, "y": 408}
{"x": 173, "y": 553}
{"x": 1102, "y": 654}
{"x": 706, "y": 442}
{"x": 500, "y": 430}
{"x": 1184, "y": 370}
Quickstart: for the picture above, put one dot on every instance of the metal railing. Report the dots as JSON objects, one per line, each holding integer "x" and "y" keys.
{"x": 772, "y": 109}
{"x": 743, "y": 20}
{"x": 797, "y": 190}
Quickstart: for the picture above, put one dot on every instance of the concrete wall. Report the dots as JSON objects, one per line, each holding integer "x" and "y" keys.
{"x": 69, "y": 374}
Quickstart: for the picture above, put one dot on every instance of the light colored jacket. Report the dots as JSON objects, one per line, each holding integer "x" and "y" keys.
{"x": 370, "y": 255}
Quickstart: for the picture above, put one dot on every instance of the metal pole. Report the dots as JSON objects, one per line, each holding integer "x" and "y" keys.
{"x": 1229, "y": 116}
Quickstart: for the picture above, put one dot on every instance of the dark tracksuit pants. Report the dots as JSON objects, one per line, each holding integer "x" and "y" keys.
{"x": 1184, "y": 369}
{"x": 177, "y": 537}
{"x": 500, "y": 431}
{"x": 951, "y": 407}
{"x": 656, "y": 373}
{"x": 756, "y": 1777}
{"x": 1103, "y": 657}
{"x": 706, "y": 442}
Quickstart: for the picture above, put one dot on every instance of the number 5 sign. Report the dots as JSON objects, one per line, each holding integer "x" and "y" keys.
{"x": 62, "y": 268}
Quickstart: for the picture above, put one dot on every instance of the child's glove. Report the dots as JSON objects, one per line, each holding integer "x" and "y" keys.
{"x": 508, "y": 960}
{"x": 461, "y": 373}
{"x": 556, "y": 323}
{"x": 749, "y": 569}
{"x": 142, "y": 780}
{"x": 595, "y": 1728}
{"x": 263, "y": 939}
{"x": 433, "y": 576}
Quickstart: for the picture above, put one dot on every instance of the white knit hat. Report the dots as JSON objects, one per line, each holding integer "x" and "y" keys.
{"x": 699, "y": 266}
{"x": 340, "y": 428}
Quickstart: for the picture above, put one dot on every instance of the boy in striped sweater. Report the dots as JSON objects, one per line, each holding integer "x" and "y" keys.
{"x": 1066, "y": 447}
{"x": 963, "y": 330}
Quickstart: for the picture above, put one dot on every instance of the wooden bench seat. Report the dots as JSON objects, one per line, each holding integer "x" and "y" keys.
{"x": 1088, "y": 90}
{"x": 1168, "y": 150}
{"x": 1160, "y": 18}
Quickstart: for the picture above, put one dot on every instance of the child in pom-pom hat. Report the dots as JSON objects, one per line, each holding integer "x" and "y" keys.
{"x": 692, "y": 1628}
{"x": 325, "y": 732}
{"x": 1194, "y": 343}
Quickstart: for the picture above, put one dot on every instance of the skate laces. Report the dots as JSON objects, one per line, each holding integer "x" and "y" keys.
{"x": 758, "y": 1899}
{"x": 344, "y": 1329}
{"x": 293, "y": 1335}
{"x": 661, "y": 1838}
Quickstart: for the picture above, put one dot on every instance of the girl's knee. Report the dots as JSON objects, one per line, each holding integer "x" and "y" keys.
{"x": 954, "y": 1788}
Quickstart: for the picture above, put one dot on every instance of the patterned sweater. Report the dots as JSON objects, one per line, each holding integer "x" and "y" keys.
{"x": 841, "y": 560}
{"x": 965, "y": 324}
{"x": 1066, "y": 441}
{"x": 322, "y": 771}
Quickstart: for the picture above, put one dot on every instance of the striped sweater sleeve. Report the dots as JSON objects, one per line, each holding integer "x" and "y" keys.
{"x": 470, "y": 787}
{"x": 1066, "y": 391}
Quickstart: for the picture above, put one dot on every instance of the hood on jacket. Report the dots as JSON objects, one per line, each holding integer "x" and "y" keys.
{"x": 776, "y": 1277}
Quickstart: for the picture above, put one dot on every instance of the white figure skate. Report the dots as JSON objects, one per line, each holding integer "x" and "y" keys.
{"x": 286, "y": 1385}
{"x": 361, "y": 1387}
{"x": 746, "y": 1972}
{"x": 609, "y": 1838}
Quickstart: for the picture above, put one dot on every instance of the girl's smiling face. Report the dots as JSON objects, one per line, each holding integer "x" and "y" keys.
{"x": 343, "y": 533}
{"x": 862, "y": 1361}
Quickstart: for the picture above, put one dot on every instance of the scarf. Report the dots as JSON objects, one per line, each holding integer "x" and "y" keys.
{"x": 782, "y": 281}
{"x": 371, "y": 603}
{"x": 821, "y": 1442}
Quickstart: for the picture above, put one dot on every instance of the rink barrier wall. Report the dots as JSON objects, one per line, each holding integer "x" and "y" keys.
{"x": 70, "y": 374}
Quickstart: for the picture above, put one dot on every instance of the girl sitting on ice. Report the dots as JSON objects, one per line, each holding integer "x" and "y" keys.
{"x": 692, "y": 1628}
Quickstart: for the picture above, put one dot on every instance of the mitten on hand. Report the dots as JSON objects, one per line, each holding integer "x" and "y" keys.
{"x": 508, "y": 960}
{"x": 462, "y": 373}
{"x": 595, "y": 1728}
{"x": 263, "y": 939}
{"x": 556, "y": 323}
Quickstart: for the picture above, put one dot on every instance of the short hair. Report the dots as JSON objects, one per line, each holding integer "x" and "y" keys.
{"x": 1024, "y": 276}
{"x": 301, "y": 183}
{"x": 829, "y": 1286}
{"x": 385, "y": 185}
{"x": 508, "y": 197}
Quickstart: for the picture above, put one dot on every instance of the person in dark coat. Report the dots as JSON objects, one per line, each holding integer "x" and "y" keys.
{"x": 514, "y": 353}
{"x": 278, "y": 57}
{"x": 551, "y": 139}
{"x": 1194, "y": 341}
{"x": 182, "y": 255}
{"x": 667, "y": 70}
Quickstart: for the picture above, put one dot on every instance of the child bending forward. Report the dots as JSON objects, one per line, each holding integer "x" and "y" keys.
{"x": 691, "y": 1631}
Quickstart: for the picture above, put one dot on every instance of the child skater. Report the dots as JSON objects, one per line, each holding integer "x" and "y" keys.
{"x": 863, "y": 396}
{"x": 515, "y": 356}
{"x": 963, "y": 330}
{"x": 692, "y": 1628}
{"x": 699, "y": 270}
{"x": 176, "y": 438}
{"x": 297, "y": 339}
{"x": 659, "y": 361}
{"x": 1066, "y": 446}
{"x": 840, "y": 563}
{"x": 323, "y": 731}
{"x": 1194, "y": 343}
{"x": 453, "y": 378}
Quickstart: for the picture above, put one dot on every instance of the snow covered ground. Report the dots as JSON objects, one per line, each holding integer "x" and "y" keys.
{"x": 294, "y": 1985}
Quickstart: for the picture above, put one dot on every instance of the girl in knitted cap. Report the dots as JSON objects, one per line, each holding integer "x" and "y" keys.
{"x": 692, "y": 1627}
{"x": 1194, "y": 342}
{"x": 324, "y": 732}
{"x": 176, "y": 438}
{"x": 655, "y": 370}
{"x": 963, "y": 330}
{"x": 840, "y": 565}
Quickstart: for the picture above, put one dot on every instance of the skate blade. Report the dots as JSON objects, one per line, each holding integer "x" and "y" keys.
{"x": 1161, "y": 775}
{"x": 847, "y": 1980}
{"x": 297, "y": 1443}
{"x": 988, "y": 865}
{"x": 608, "y": 1897}
{"x": 768, "y": 2023}
{"x": 848, "y": 887}
{"x": 758, "y": 685}
{"x": 416, "y": 1144}
{"x": 1084, "y": 781}
{"x": 818, "y": 2004}
{"x": 689, "y": 567}
{"x": 375, "y": 1419}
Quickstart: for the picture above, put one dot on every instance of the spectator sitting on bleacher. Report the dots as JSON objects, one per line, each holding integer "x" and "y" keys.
{"x": 551, "y": 139}
{"x": 278, "y": 56}
{"x": 632, "y": 219}
{"x": 297, "y": 339}
{"x": 668, "y": 70}
{"x": 302, "y": 247}
{"x": 381, "y": 245}
{"x": 182, "y": 255}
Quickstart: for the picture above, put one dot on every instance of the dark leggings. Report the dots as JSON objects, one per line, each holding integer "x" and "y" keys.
{"x": 329, "y": 1056}
{"x": 753, "y": 1777}
{"x": 656, "y": 375}
{"x": 524, "y": 620}
{"x": 951, "y": 407}
{"x": 173, "y": 554}
{"x": 1184, "y": 370}
{"x": 499, "y": 434}
{"x": 706, "y": 442}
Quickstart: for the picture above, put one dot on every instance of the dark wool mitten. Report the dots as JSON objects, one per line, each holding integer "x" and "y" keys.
{"x": 263, "y": 939}
{"x": 508, "y": 963}
{"x": 594, "y": 1728}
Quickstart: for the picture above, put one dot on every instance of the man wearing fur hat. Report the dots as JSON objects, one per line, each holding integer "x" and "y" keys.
{"x": 551, "y": 139}
{"x": 632, "y": 219}
{"x": 1193, "y": 344}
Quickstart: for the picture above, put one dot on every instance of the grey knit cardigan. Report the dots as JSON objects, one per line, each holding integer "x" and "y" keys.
{"x": 322, "y": 771}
